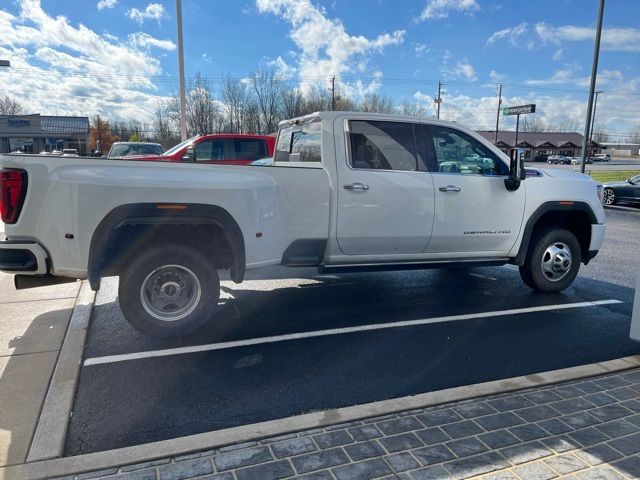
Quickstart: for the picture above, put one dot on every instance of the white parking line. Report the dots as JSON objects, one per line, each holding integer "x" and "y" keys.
{"x": 335, "y": 331}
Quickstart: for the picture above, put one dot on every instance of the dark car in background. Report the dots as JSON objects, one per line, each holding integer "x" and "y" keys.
{"x": 128, "y": 149}
{"x": 624, "y": 191}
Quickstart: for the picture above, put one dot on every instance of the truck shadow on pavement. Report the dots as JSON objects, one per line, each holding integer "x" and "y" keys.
{"x": 150, "y": 399}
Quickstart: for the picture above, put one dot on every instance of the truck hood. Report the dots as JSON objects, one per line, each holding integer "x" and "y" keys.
{"x": 561, "y": 173}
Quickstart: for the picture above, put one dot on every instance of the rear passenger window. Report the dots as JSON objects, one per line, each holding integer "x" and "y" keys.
{"x": 249, "y": 149}
{"x": 457, "y": 152}
{"x": 300, "y": 144}
{"x": 382, "y": 145}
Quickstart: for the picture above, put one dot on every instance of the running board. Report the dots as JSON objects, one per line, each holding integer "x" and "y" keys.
{"x": 422, "y": 265}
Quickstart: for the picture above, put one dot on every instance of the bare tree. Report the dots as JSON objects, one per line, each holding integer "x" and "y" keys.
{"x": 413, "y": 109}
{"x": 599, "y": 134}
{"x": 202, "y": 109}
{"x": 253, "y": 122}
{"x": 236, "y": 95}
{"x": 565, "y": 125}
{"x": 268, "y": 88}
{"x": 634, "y": 135}
{"x": 377, "y": 103}
{"x": 163, "y": 131}
{"x": 10, "y": 106}
{"x": 533, "y": 124}
{"x": 293, "y": 103}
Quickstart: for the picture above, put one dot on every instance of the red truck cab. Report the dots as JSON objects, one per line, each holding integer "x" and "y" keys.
{"x": 227, "y": 149}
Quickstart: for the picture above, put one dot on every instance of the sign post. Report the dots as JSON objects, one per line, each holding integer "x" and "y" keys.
{"x": 518, "y": 110}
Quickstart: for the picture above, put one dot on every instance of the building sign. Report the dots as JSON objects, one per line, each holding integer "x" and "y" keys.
{"x": 520, "y": 109}
{"x": 21, "y": 125}
{"x": 14, "y": 122}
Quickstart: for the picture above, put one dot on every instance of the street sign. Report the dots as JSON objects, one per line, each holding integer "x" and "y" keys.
{"x": 519, "y": 110}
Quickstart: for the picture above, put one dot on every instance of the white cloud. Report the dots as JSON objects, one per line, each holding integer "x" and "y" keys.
{"x": 153, "y": 11}
{"x": 325, "y": 46}
{"x": 514, "y": 35}
{"x": 566, "y": 76}
{"x": 465, "y": 70}
{"x": 206, "y": 58}
{"x": 421, "y": 49}
{"x": 527, "y": 36}
{"x": 440, "y": 8}
{"x": 283, "y": 68}
{"x": 144, "y": 40}
{"x": 62, "y": 68}
{"x": 496, "y": 77}
{"x": 102, "y": 4}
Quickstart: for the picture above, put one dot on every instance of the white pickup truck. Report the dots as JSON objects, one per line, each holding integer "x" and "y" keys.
{"x": 346, "y": 191}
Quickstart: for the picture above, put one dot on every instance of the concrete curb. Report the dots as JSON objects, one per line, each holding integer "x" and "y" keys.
{"x": 51, "y": 431}
{"x": 205, "y": 441}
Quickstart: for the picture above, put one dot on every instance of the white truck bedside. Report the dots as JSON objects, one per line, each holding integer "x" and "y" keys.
{"x": 346, "y": 191}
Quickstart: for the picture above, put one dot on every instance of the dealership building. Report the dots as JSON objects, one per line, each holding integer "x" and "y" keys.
{"x": 37, "y": 133}
{"x": 540, "y": 144}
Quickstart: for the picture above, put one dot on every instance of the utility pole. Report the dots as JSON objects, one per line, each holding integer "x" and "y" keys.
{"x": 498, "y": 114}
{"x": 438, "y": 100}
{"x": 333, "y": 93}
{"x": 592, "y": 87}
{"x": 98, "y": 134}
{"x": 183, "y": 102}
{"x": 593, "y": 117}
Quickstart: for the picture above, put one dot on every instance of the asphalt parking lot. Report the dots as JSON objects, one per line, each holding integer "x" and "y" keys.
{"x": 403, "y": 333}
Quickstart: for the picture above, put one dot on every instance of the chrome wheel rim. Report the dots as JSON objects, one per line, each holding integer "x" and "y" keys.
{"x": 609, "y": 196}
{"x": 170, "y": 293}
{"x": 556, "y": 261}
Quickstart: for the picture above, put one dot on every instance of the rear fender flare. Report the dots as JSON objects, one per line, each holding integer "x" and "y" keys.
{"x": 165, "y": 214}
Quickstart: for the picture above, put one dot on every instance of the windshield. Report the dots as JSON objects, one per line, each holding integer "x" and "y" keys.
{"x": 124, "y": 149}
{"x": 179, "y": 147}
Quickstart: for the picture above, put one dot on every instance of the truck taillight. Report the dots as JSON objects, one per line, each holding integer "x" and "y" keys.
{"x": 13, "y": 188}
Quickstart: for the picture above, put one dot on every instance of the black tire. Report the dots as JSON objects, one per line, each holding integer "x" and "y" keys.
{"x": 192, "y": 267}
{"x": 609, "y": 197}
{"x": 532, "y": 271}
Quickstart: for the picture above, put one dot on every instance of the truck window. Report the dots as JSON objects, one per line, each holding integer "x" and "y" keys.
{"x": 249, "y": 149}
{"x": 382, "y": 145}
{"x": 300, "y": 143}
{"x": 210, "y": 150}
{"x": 457, "y": 152}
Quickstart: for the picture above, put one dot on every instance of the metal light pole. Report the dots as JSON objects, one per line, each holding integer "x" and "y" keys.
{"x": 498, "y": 114}
{"x": 592, "y": 87}
{"x": 183, "y": 106}
{"x": 593, "y": 117}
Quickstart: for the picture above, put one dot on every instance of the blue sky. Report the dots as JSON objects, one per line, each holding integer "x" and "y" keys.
{"x": 118, "y": 57}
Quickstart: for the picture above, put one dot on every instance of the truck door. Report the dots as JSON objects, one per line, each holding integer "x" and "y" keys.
{"x": 385, "y": 195}
{"x": 475, "y": 213}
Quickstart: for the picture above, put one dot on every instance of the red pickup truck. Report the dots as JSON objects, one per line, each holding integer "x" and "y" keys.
{"x": 228, "y": 149}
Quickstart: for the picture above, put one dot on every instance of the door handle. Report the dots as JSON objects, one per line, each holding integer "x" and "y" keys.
{"x": 357, "y": 186}
{"x": 450, "y": 188}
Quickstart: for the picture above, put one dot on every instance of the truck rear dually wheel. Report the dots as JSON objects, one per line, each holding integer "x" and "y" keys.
{"x": 552, "y": 262}
{"x": 169, "y": 291}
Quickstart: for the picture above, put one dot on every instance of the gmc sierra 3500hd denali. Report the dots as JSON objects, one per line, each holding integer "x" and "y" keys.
{"x": 346, "y": 191}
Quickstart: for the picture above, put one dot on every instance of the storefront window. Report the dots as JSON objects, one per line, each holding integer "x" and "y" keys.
{"x": 24, "y": 145}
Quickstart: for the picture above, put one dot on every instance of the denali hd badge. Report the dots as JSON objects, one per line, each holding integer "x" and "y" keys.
{"x": 487, "y": 232}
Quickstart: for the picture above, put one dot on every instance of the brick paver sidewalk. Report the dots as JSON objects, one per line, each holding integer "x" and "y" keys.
{"x": 583, "y": 430}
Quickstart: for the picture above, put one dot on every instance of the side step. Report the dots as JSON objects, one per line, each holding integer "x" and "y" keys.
{"x": 382, "y": 267}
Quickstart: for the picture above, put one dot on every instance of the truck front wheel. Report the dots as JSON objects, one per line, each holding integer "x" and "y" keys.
{"x": 169, "y": 291}
{"x": 552, "y": 262}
